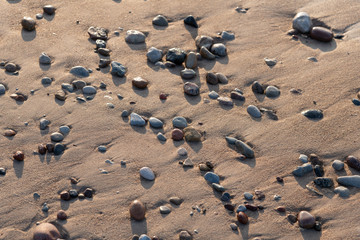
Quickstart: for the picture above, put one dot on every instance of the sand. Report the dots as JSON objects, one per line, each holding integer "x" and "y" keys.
{"x": 261, "y": 32}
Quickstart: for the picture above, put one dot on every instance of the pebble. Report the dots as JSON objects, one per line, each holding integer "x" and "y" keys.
{"x": 79, "y": 71}
{"x": 225, "y": 101}
{"x": 251, "y": 207}
{"x": 46, "y": 231}
{"x": 147, "y": 173}
{"x": 155, "y": 123}
{"x": 244, "y": 149}
{"x": 272, "y": 92}
{"x": 160, "y": 64}
{"x": 190, "y": 20}
{"x": 2, "y": 171}
{"x": 306, "y": 220}
{"x": 164, "y": 210}
{"x": 303, "y": 158}
{"x": 134, "y": 37}
{"x": 139, "y": 82}
{"x": 176, "y": 200}
{"x": 187, "y": 73}
{"x": 233, "y": 226}
{"x": 50, "y": 147}
{"x": 161, "y": 137}
{"x": 88, "y": 192}
{"x": 179, "y": 122}
{"x": 89, "y": 90}
{"x": 321, "y": 34}
{"x": 211, "y": 78}
{"x": 98, "y": 33}
{"x": 45, "y": 207}
{"x": 319, "y": 171}
{"x": 241, "y": 208}
{"x": 225, "y": 197}
{"x": 177, "y": 134}
{"x": 314, "y": 159}
{"x": 79, "y": 84}
{"x": 118, "y": 69}
{"x": 219, "y": 49}
{"x": 313, "y": 114}
{"x": 68, "y": 87}
{"x": 256, "y": 87}
{"x": 137, "y": 210}
{"x": 191, "y": 60}
{"x": 302, "y": 22}
{"x": 135, "y": 237}
{"x": 64, "y": 129}
{"x": 44, "y": 59}
{"x": 192, "y": 135}
{"x": 230, "y": 140}
{"x": 80, "y": 99}
{"x": 61, "y": 215}
{"x": 205, "y": 53}
{"x": 356, "y": 102}
{"x": 56, "y": 137}
{"x": 19, "y": 156}
{"x": 49, "y": 9}
{"x": 9, "y": 133}
{"x": 259, "y": 194}
{"x": 229, "y": 207}
{"x": 204, "y": 41}
{"x": 191, "y": 89}
{"x": 2, "y": 89}
{"x": 270, "y": 61}
{"x": 28, "y": 23}
{"x": 212, "y": 177}
{"x": 65, "y": 195}
{"x": 100, "y": 43}
{"x": 218, "y": 187}
{"x": 324, "y": 182}
{"x": 11, "y": 67}
{"x": 248, "y": 196}
{"x": 182, "y": 152}
{"x": 302, "y": 170}
{"x": 227, "y": 36}
{"x": 19, "y": 97}
{"x": 204, "y": 167}
{"x": 342, "y": 191}
{"x": 353, "y": 162}
{"x": 160, "y": 20}
{"x": 242, "y": 218}
{"x": 39, "y": 16}
{"x": 73, "y": 193}
{"x": 167, "y": 64}
{"x": 176, "y": 55}
{"x": 124, "y": 114}
{"x": 185, "y": 235}
{"x": 352, "y": 181}
{"x": 60, "y": 95}
{"x": 338, "y": 165}
{"x": 188, "y": 163}
{"x": 154, "y": 54}
{"x": 81, "y": 196}
{"x": 312, "y": 59}
{"x": 144, "y": 237}
{"x": 104, "y": 51}
{"x": 237, "y": 96}
{"x": 102, "y": 148}
{"x": 253, "y": 111}
{"x": 213, "y": 95}
{"x": 137, "y": 120}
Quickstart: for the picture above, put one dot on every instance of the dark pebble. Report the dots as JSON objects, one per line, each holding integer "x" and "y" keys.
{"x": 256, "y": 87}
{"x": 281, "y": 209}
{"x": 49, "y": 9}
{"x": 103, "y": 63}
{"x": 237, "y": 96}
{"x": 211, "y": 78}
{"x": 176, "y": 55}
{"x": 356, "y": 102}
{"x": 42, "y": 149}
{"x": 177, "y": 134}
{"x": 225, "y": 197}
{"x": 229, "y": 207}
{"x": 242, "y": 218}
{"x": 190, "y": 20}
{"x": 324, "y": 182}
{"x": 104, "y": 51}
{"x": 74, "y": 180}
{"x": 321, "y": 34}
{"x": 28, "y": 23}
{"x": 314, "y": 159}
{"x": 81, "y": 196}
{"x": 259, "y": 194}
{"x": 73, "y": 193}
{"x": 19, "y": 155}
{"x": 319, "y": 171}
{"x": 292, "y": 218}
{"x": 88, "y": 193}
{"x": 61, "y": 215}
{"x": 65, "y": 195}
{"x": 59, "y": 148}
{"x": 317, "y": 226}
{"x": 251, "y": 207}
{"x": 353, "y": 162}
{"x": 50, "y": 147}
{"x": 2, "y": 171}
{"x": 163, "y": 96}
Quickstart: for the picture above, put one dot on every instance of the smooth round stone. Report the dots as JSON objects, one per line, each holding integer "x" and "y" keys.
{"x": 28, "y": 23}
{"x": 89, "y": 90}
{"x": 177, "y": 134}
{"x": 306, "y": 220}
{"x": 137, "y": 120}
{"x": 190, "y": 20}
{"x": 64, "y": 129}
{"x": 253, "y": 111}
{"x": 79, "y": 71}
{"x": 338, "y": 165}
{"x": 98, "y": 33}
{"x": 2, "y": 89}
{"x": 68, "y": 87}
{"x": 225, "y": 101}
{"x": 222, "y": 78}
{"x": 124, "y": 114}
{"x": 205, "y": 53}
{"x": 104, "y": 51}
{"x": 161, "y": 137}
{"x": 248, "y": 196}
{"x": 61, "y": 215}
{"x": 176, "y": 55}
{"x": 44, "y": 59}
{"x": 356, "y": 102}
{"x": 134, "y": 37}
{"x": 324, "y": 182}
{"x": 192, "y": 135}
{"x": 352, "y": 181}
{"x": 212, "y": 177}
{"x": 191, "y": 89}
{"x": 204, "y": 41}
{"x": 227, "y": 36}
{"x": 303, "y": 158}
{"x": 154, "y": 55}
{"x": 242, "y": 218}
{"x": 218, "y": 187}
{"x": 79, "y": 84}
{"x": 102, "y": 148}
{"x": 137, "y": 210}
{"x": 302, "y": 22}
{"x": 73, "y": 193}
{"x": 270, "y": 61}
{"x": 160, "y": 20}
{"x": 155, "y": 123}
{"x": 10, "y": 67}
{"x": 118, "y": 69}
{"x": 211, "y": 78}
{"x": 144, "y": 237}
{"x": 218, "y": 49}
{"x": 147, "y": 173}
{"x": 49, "y": 9}
{"x": 313, "y": 114}
{"x": 100, "y": 43}
{"x": 241, "y": 208}
{"x": 213, "y": 95}
{"x": 164, "y": 210}
{"x": 321, "y": 34}
{"x": 272, "y": 92}
{"x": 59, "y": 148}
{"x": 256, "y": 87}
{"x": 39, "y": 16}
{"x": 179, "y": 122}
{"x": 237, "y": 96}
{"x": 244, "y": 149}
{"x": 182, "y": 152}
{"x": 191, "y": 60}
{"x": 56, "y": 137}
{"x": 342, "y": 191}
{"x": 185, "y": 235}
{"x": 139, "y": 82}
{"x": 187, "y": 73}
{"x": 46, "y": 231}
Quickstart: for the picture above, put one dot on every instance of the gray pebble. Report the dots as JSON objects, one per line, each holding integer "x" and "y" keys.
{"x": 118, "y": 69}
{"x": 44, "y": 123}
{"x": 303, "y": 158}
{"x": 219, "y": 49}
{"x": 160, "y": 20}
{"x": 45, "y": 207}
{"x": 241, "y": 208}
{"x": 233, "y": 226}
{"x": 303, "y": 169}
{"x": 89, "y": 90}
{"x": 56, "y": 137}
{"x": 64, "y": 129}
{"x": 102, "y": 148}
{"x": 44, "y": 59}
{"x": 188, "y": 163}
{"x": 2, "y": 171}
{"x": 270, "y": 61}
{"x": 160, "y": 64}
{"x": 182, "y": 152}
{"x": 338, "y": 165}
{"x": 79, "y": 71}
{"x": 39, "y": 16}
{"x": 231, "y": 140}
{"x": 179, "y": 122}
{"x": 352, "y": 181}
{"x": 312, "y": 59}
{"x": 191, "y": 89}
{"x": 253, "y": 111}
{"x": 124, "y": 113}
{"x": 176, "y": 55}
{"x": 28, "y": 23}
{"x": 204, "y": 41}
{"x": 164, "y": 210}
{"x": 218, "y": 187}
{"x": 100, "y": 43}
{"x": 187, "y": 73}
{"x": 342, "y": 191}
{"x": 227, "y": 35}
{"x": 272, "y": 92}
{"x": 161, "y": 137}
{"x": 155, "y": 123}
{"x": 46, "y": 81}
{"x": 205, "y": 53}
{"x": 244, "y": 149}
{"x": 144, "y": 237}
{"x": 137, "y": 120}
{"x": 2, "y": 89}
{"x": 79, "y": 84}
{"x": 154, "y": 54}
{"x": 147, "y": 173}
{"x": 222, "y": 78}
{"x": 110, "y": 105}
{"x": 248, "y": 196}
{"x": 68, "y": 87}
{"x": 190, "y": 20}
{"x": 213, "y": 95}
{"x": 134, "y": 37}
{"x": 302, "y": 22}
{"x": 313, "y": 114}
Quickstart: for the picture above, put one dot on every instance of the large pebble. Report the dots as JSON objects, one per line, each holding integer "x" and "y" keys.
{"x": 155, "y": 123}
{"x": 139, "y": 82}
{"x": 322, "y": 34}
{"x": 204, "y": 41}
{"x": 179, "y": 122}
{"x": 306, "y": 220}
{"x": 324, "y": 182}
{"x": 79, "y": 71}
{"x": 353, "y": 162}
{"x": 177, "y": 134}
{"x": 352, "y": 181}
{"x": 212, "y": 177}
{"x": 46, "y": 231}
{"x": 176, "y": 55}
{"x": 98, "y": 33}
{"x": 256, "y": 87}
{"x": 303, "y": 169}
{"x": 147, "y": 173}
{"x": 2, "y": 89}
{"x": 192, "y": 135}
{"x": 211, "y": 78}
{"x": 49, "y": 9}
{"x": 191, "y": 21}
{"x": 137, "y": 210}
{"x": 272, "y": 92}
{"x": 64, "y": 129}
{"x": 187, "y": 73}
{"x": 44, "y": 123}
{"x": 89, "y": 90}
{"x": 302, "y": 22}
{"x": 342, "y": 191}
{"x": 44, "y": 59}
{"x": 191, "y": 89}
{"x": 253, "y": 111}
{"x": 244, "y": 149}
{"x": 28, "y": 23}
{"x": 313, "y": 114}
{"x": 219, "y": 49}
{"x": 118, "y": 69}
{"x": 56, "y": 137}
{"x": 154, "y": 54}
{"x": 242, "y": 218}
{"x": 134, "y": 37}
{"x": 205, "y": 53}
{"x": 160, "y": 20}
{"x": 137, "y": 120}
{"x": 338, "y": 165}
{"x": 59, "y": 148}
{"x": 191, "y": 60}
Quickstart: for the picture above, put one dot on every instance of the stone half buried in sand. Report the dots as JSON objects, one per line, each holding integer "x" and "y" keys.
{"x": 79, "y": 71}
{"x": 192, "y": 135}
{"x": 352, "y": 181}
{"x": 313, "y": 114}
{"x": 46, "y": 231}
{"x": 244, "y": 149}
{"x": 137, "y": 210}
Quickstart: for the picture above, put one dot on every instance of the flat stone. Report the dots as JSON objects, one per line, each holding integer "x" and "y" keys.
{"x": 205, "y": 53}
{"x": 191, "y": 60}
{"x": 212, "y": 177}
{"x": 225, "y": 101}
{"x": 45, "y": 59}
{"x": 211, "y": 78}
{"x": 28, "y": 23}
{"x": 161, "y": 137}
{"x": 342, "y": 191}
{"x": 237, "y": 96}
{"x": 64, "y": 129}
{"x": 147, "y": 173}
{"x": 270, "y": 61}
{"x": 177, "y": 134}
{"x": 324, "y": 182}
{"x": 253, "y": 111}
{"x": 160, "y": 20}
{"x": 100, "y": 43}
{"x": 11, "y": 67}
{"x": 155, "y": 123}
{"x": 46, "y": 231}
{"x": 176, "y": 200}
{"x": 60, "y": 95}
{"x": 219, "y": 49}
{"x": 79, "y": 71}
{"x": 227, "y": 36}
{"x": 9, "y": 133}
{"x": 104, "y": 51}
{"x": 89, "y": 90}
{"x": 244, "y": 149}
{"x": 190, "y": 20}
{"x": 137, "y": 210}
{"x": 56, "y": 137}
{"x": 272, "y": 92}
{"x": 313, "y": 114}
{"x": 176, "y": 55}
{"x": 179, "y": 122}
{"x": 137, "y": 120}
{"x": 321, "y": 34}
{"x": 213, "y": 95}
{"x": 352, "y": 181}
{"x": 188, "y": 163}
{"x": 118, "y": 69}
{"x": 164, "y": 210}
{"x": 192, "y": 135}
{"x": 222, "y": 78}
{"x": 187, "y": 73}
{"x": 139, "y": 82}
{"x": 302, "y": 22}
{"x": 191, "y": 89}
{"x": 306, "y": 220}
{"x": 302, "y": 170}
{"x": 98, "y": 33}
{"x": 338, "y": 165}
{"x": 79, "y": 84}
{"x": 218, "y": 187}
{"x": 154, "y": 55}
{"x": 204, "y": 41}
{"x": 353, "y": 162}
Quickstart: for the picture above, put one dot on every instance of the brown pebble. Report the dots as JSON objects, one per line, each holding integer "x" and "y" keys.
{"x": 211, "y": 78}
{"x": 177, "y": 134}
{"x": 229, "y": 207}
{"x": 292, "y": 218}
{"x": 353, "y": 162}
{"x": 242, "y": 218}
{"x": 74, "y": 180}
{"x": 251, "y": 207}
{"x": 281, "y": 209}
{"x": 209, "y": 164}
{"x": 61, "y": 215}
{"x": 321, "y": 34}
{"x": 42, "y": 149}
{"x": 259, "y": 194}
{"x": 139, "y": 82}
{"x": 88, "y": 193}
{"x": 65, "y": 195}
{"x": 28, "y": 23}
{"x": 9, "y": 133}
{"x": 280, "y": 179}
{"x": 137, "y": 210}
{"x": 19, "y": 155}
{"x": 19, "y": 97}
{"x": 50, "y": 147}
{"x": 46, "y": 231}
{"x": 163, "y": 96}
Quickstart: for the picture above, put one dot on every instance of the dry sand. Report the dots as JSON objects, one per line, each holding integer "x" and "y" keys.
{"x": 332, "y": 82}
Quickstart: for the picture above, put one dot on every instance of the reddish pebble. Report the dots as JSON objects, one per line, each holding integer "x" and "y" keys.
{"x": 137, "y": 210}
{"x": 229, "y": 207}
{"x": 353, "y": 162}
{"x": 242, "y": 218}
{"x": 281, "y": 209}
{"x": 163, "y": 96}
{"x": 251, "y": 207}
{"x": 65, "y": 195}
{"x": 19, "y": 155}
{"x": 321, "y": 34}
{"x": 177, "y": 134}
{"x": 42, "y": 149}
{"x": 61, "y": 215}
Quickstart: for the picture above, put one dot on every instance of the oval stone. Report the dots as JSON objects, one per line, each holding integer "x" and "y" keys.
{"x": 89, "y": 90}
{"x": 244, "y": 149}
{"x": 219, "y": 49}
{"x": 306, "y": 220}
{"x": 338, "y": 165}
{"x": 56, "y": 137}
{"x": 205, "y": 53}
{"x": 187, "y": 73}
{"x": 302, "y": 22}
{"x": 134, "y": 37}
{"x": 211, "y": 78}
{"x": 204, "y": 41}
{"x": 137, "y": 120}
{"x": 191, "y": 89}
{"x": 272, "y": 92}
{"x": 79, "y": 71}
{"x": 313, "y": 114}
{"x": 321, "y": 34}
{"x": 179, "y": 122}
{"x": 253, "y": 111}
{"x": 177, "y": 134}
{"x": 353, "y": 162}
{"x": 191, "y": 60}
{"x": 137, "y": 210}
{"x": 155, "y": 123}
{"x": 139, "y": 82}
{"x": 212, "y": 177}
{"x": 242, "y": 218}
{"x": 147, "y": 173}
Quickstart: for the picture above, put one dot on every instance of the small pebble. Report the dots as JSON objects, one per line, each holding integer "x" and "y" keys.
{"x": 28, "y": 23}
{"x": 164, "y": 210}
{"x": 182, "y": 152}
{"x": 270, "y": 61}
{"x": 253, "y": 111}
{"x": 160, "y": 20}
{"x": 248, "y": 196}
{"x": 303, "y": 158}
{"x": 241, "y": 208}
{"x": 19, "y": 156}
{"x": 177, "y": 134}
{"x": 225, "y": 196}
{"x": 134, "y": 37}
{"x": 45, "y": 207}
{"x": 2, "y": 171}
{"x": 137, "y": 210}
{"x": 45, "y": 59}
{"x": 61, "y": 215}
{"x": 233, "y": 226}
{"x": 227, "y": 35}
{"x": 147, "y": 173}
{"x": 338, "y": 165}
{"x": 161, "y": 137}
{"x": 190, "y": 20}
{"x": 219, "y": 49}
